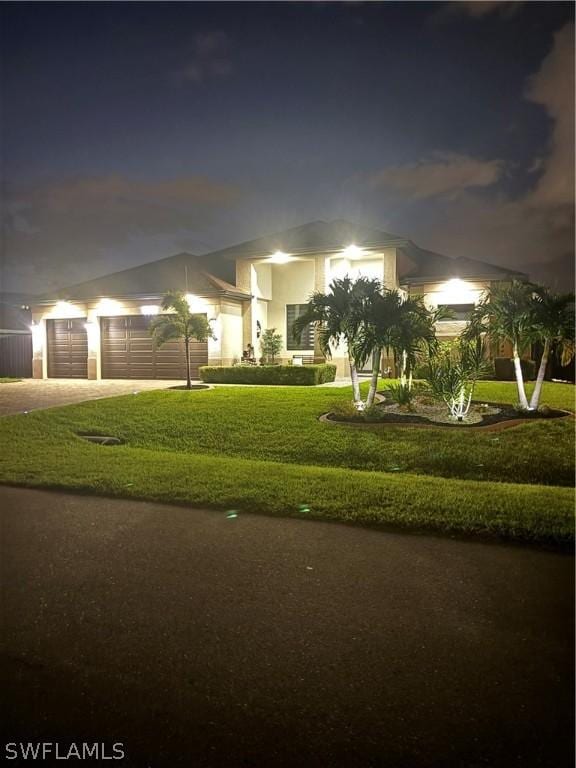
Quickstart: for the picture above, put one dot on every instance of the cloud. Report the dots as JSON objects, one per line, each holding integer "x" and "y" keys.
{"x": 445, "y": 173}
{"x": 208, "y": 59}
{"x": 60, "y": 231}
{"x": 553, "y": 88}
{"x": 444, "y": 211}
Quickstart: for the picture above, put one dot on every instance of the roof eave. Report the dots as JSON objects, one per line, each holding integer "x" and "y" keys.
{"x": 321, "y": 251}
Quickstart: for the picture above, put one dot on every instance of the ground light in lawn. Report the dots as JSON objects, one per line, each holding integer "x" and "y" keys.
{"x": 231, "y": 514}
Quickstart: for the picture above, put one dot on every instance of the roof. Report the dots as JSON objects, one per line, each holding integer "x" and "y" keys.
{"x": 176, "y": 273}
{"x": 422, "y": 266}
{"x": 309, "y": 238}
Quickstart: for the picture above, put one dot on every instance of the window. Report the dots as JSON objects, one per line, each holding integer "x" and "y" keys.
{"x": 459, "y": 311}
{"x": 294, "y": 311}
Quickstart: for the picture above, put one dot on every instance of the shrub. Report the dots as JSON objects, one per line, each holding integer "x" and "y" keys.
{"x": 504, "y": 369}
{"x": 305, "y": 375}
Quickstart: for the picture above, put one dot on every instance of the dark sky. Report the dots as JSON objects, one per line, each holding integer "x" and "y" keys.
{"x": 132, "y": 131}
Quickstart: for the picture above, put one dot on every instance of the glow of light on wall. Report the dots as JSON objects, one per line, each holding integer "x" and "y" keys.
{"x": 108, "y": 307}
{"x": 37, "y": 337}
{"x": 65, "y": 309}
{"x": 353, "y": 252}
{"x": 150, "y": 309}
{"x": 279, "y": 258}
{"x": 457, "y": 291}
{"x": 196, "y": 303}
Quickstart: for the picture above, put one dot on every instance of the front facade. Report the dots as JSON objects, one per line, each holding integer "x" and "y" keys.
{"x": 99, "y": 329}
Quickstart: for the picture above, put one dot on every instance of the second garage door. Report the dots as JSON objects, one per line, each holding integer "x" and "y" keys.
{"x": 128, "y": 352}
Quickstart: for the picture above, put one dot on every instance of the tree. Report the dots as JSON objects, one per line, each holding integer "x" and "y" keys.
{"x": 178, "y": 322}
{"x": 270, "y": 343}
{"x": 339, "y": 315}
{"x": 414, "y": 332}
{"x": 506, "y": 312}
{"x": 554, "y": 327}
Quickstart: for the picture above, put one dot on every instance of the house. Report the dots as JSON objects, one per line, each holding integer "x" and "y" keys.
{"x": 98, "y": 329}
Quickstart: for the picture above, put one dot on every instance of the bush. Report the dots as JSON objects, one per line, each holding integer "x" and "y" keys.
{"x": 504, "y": 369}
{"x": 305, "y": 375}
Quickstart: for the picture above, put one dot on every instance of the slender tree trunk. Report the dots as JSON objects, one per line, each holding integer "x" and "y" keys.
{"x": 187, "y": 346}
{"x": 535, "y": 399}
{"x": 522, "y": 399}
{"x": 355, "y": 382}
{"x": 403, "y": 380}
{"x": 376, "y": 359}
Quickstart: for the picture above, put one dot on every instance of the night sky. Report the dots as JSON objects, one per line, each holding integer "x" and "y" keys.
{"x": 132, "y": 131}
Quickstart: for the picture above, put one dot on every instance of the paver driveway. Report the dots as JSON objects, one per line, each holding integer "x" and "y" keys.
{"x": 207, "y": 641}
{"x": 32, "y": 394}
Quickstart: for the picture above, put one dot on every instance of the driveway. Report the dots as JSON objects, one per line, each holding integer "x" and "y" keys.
{"x": 32, "y": 394}
{"x": 200, "y": 639}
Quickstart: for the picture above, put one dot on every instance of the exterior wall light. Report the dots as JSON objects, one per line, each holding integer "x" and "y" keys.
{"x": 63, "y": 309}
{"x": 108, "y": 307}
{"x": 279, "y": 258}
{"x": 352, "y": 252}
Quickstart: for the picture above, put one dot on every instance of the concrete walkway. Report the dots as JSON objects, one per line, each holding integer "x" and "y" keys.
{"x": 33, "y": 394}
{"x": 203, "y": 640}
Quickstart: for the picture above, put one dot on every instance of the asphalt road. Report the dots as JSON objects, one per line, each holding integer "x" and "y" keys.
{"x": 201, "y": 640}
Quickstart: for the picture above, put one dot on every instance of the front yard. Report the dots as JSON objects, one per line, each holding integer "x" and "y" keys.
{"x": 264, "y": 450}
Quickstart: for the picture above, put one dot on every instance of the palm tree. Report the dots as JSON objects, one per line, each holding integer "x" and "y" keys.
{"x": 178, "y": 322}
{"x": 554, "y": 326}
{"x": 339, "y": 316}
{"x": 415, "y": 330}
{"x": 506, "y": 312}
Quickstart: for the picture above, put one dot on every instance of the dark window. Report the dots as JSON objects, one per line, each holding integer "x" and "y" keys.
{"x": 294, "y": 311}
{"x": 459, "y": 311}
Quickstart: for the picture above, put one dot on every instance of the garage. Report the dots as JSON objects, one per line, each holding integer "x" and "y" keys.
{"x": 67, "y": 348}
{"x": 128, "y": 351}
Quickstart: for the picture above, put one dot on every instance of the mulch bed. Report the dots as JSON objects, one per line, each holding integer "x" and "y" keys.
{"x": 507, "y": 417}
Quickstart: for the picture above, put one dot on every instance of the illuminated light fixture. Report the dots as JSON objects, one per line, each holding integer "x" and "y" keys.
{"x": 64, "y": 309}
{"x": 279, "y": 258}
{"x": 150, "y": 309}
{"x": 353, "y": 252}
{"x": 108, "y": 306}
{"x": 196, "y": 303}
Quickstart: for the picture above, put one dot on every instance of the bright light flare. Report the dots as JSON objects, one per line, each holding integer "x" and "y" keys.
{"x": 353, "y": 252}
{"x": 279, "y": 258}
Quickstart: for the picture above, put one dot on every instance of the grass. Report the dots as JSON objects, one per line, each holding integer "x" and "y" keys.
{"x": 8, "y": 380}
{"x": 263, "y": 450}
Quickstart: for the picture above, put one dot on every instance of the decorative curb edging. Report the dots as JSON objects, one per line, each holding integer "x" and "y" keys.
{"x": 472, "y": 428}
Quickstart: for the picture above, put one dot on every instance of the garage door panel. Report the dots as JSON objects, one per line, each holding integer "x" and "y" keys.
{"x": 128, "y": 352}
{"x": 67, "y": 348}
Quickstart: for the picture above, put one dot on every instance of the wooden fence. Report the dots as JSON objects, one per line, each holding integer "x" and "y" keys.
{"x": 16, "y": 355}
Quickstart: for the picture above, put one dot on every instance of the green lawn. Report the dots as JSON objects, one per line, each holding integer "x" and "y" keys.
{"x": 263, "y": 449}
{"x": 8, "y": 380}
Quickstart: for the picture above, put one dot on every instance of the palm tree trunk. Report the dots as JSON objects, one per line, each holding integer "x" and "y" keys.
{"x": 535, "y": 399}
{"x": 376, "y": 359}
{"x": 355, "y": 381}
{"x": 522, "y": 399}
{"x": 187, "y": 346}
{"x": 403, "y": 380}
